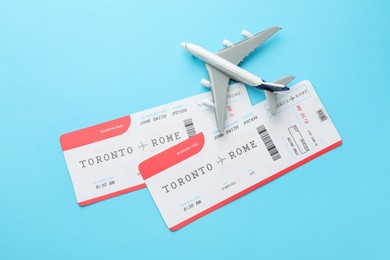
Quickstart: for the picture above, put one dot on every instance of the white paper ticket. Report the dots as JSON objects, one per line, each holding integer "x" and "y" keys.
{"x": 103, "y": 159}
{"x": 207, "y": 171}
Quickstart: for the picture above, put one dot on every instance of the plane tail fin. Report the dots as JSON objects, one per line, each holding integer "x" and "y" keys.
{"x": 277, "y": 85}
{"x": 272, "y": 95}
{"x": 271, "y": 98}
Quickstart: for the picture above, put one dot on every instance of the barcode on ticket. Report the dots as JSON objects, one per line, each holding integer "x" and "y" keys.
{"x": 269, "y": 144}
{"x": 321, "y": 115}
{"x": 189, "y": 125}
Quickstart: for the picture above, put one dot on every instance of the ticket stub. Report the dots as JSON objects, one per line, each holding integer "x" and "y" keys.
{"x": 207, "y": 171}
{"x": 103, "y": 159}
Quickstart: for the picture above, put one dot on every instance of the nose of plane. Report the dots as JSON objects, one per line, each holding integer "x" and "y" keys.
{"x": 184, "y": 45}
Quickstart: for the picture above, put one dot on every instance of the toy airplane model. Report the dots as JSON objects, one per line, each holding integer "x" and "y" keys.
{"x": 222, "y": 67}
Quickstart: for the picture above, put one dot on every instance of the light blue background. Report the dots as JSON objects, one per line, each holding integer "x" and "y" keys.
{"x": 65, "y": 65}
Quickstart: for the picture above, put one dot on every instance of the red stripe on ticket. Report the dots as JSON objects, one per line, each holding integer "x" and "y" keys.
{"x": 95, "y": 133}
{"x": 172, "y": 156}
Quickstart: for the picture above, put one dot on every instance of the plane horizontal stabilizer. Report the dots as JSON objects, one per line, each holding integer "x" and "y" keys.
{"x": 285, "y": 80}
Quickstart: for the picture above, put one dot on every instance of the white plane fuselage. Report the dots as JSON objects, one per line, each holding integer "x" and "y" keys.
{"x": 234, "y": 71}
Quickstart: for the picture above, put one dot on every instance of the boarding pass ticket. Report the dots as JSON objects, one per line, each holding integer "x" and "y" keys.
{"x": 208, "y": 170}
{"x": 103, "y": 159}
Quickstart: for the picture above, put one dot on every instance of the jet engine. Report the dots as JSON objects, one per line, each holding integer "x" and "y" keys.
{"x": 246, "y": 34}
{"x": 227, "y": 43}
{"x": 205, "y": 83}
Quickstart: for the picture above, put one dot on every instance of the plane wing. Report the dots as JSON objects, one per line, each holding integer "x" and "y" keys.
{"x": 219, "y": 86}
{"x": 236, "y": 53}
